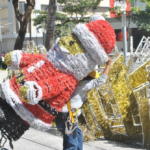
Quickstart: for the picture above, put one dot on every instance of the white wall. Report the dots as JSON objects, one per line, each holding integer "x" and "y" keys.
{"x": 8, "y": 44}
{"x": 104, "y": 3}
{"x": 4, "y": 46}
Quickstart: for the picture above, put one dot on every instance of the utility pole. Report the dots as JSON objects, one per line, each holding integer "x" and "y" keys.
{"x": 1, "y": 46}
{"x": 124, "y": 30}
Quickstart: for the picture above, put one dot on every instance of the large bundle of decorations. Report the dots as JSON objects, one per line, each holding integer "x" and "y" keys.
{"x": 119, "y": 109}
{"x": 44, "y": 83}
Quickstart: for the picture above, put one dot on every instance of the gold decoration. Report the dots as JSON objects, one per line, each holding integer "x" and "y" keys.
{"x": 108, "y": 101}
{"x": 53, "y": 123}
{"x": 140, "y": 91}
{"x": 139, "y": 76}
{"x": 75, "y": 47}
{"x": 19, "y": 76}
{"x": 8, "y": 58}
{"x": 23, "y": 93}
{"x": 144, "y": 113}
{"x": 94, "y": 101}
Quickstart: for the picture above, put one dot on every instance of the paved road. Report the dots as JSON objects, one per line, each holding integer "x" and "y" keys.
{"x": 37, "y": 140}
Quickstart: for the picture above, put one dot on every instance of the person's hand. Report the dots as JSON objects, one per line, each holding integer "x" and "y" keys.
{"x": 108, "y": 63}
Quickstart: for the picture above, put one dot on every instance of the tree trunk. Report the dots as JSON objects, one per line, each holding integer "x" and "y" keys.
{"x": 50, "y": 24}
{"x": 23, "y": 19}
{"x": 21, "y": 37}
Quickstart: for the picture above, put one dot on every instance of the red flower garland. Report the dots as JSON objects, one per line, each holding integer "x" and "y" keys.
{"x": 28, "y": 59}
{"x": 104, "y": 33}
{"x": 61, "y": 87}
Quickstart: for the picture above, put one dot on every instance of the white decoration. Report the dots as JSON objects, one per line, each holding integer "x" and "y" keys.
{"x": 79, "y": 65}
{"x": 31, "y": 92}
{"x": 30, "y": 69}
{"x": 38, "y": 65}
{"x": 15, "y": 59}
{"x": 14, "y": 101}
{"x": 91, "y": 44}
{"x": 96, "y": 17}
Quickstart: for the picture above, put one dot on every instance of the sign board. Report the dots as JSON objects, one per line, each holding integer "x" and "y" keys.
{"x": 121, "y": 4}
{"x": 124, "y": 5}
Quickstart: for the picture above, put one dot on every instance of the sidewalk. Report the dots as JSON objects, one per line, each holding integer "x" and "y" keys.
{"x": 37, "y": 140}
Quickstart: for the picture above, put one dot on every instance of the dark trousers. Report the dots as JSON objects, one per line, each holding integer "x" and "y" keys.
{"x": 69, "y": 142}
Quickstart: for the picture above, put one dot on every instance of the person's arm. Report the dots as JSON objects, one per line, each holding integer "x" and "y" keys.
{"x": 101, "y": 80}
{"x": 108, "y": 64}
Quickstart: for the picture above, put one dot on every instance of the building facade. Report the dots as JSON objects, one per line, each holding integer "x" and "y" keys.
{"x": 9, "y": 24}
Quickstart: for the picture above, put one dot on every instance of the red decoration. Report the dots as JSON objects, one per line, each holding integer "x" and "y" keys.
{"x": 28, "y": 59}
{"x": 120, "y": 36}
{"x": 60, "y": 88}
{"x": 104, "y": 33}
{"x": 112, "y": 5}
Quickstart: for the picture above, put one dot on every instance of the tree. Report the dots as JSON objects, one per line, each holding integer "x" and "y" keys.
{"x": 129, "y": 14}
{"x": 142, "y": 19}
{"x": 51, "y": 24}
{"x": 72, "y": 13}
{"x": 23, "y": 20}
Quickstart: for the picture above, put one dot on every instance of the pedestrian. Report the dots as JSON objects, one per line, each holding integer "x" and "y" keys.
{"x": 72, "y": 135}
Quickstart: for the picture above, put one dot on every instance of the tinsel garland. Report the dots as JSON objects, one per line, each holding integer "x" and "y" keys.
{"x": 122, "y": 90}
{"x": 8, "y": 58}
{"x": 93, "y": 98}
{"x": 36, "y": 110}
{"x": 145, "y": 121}
{"x": 56, "y": 99}
{"x": 138, "y": 92}
{"x": 28, "y": 59}
{"x": 104, "y": 33}
{"x": 43, "y": 76}
{"x": 139, "y": 76}
{"x": 72, "y": 44}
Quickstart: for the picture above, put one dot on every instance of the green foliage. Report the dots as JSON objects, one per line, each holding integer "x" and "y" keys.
{"x": 73, "y": 12}
{"x": 40, "y": 18}
{"x": 135, "y": 14}
{"x": 142, "y": 19}
{"x": 4, "y": 66}
{"x": 81, "y": 7}
{"x": 43, "y": 17}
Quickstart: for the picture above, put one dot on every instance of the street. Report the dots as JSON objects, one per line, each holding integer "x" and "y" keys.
{"x": 37, "y": 140}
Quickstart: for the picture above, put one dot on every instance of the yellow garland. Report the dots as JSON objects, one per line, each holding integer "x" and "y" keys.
{"x": 141, "y": 91}
{"x": 35, "y": 49}
{"x": 23, "y": 93}
{"x": 139, "y": 76}
{"x": 8, "y": 58}
{"x": 74, "y": 48}
{"x": 144, "y": 113}
{"x": 92, "y": 96}
{"x": 122, "y": 90}
{"x": 19, "y": 79}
